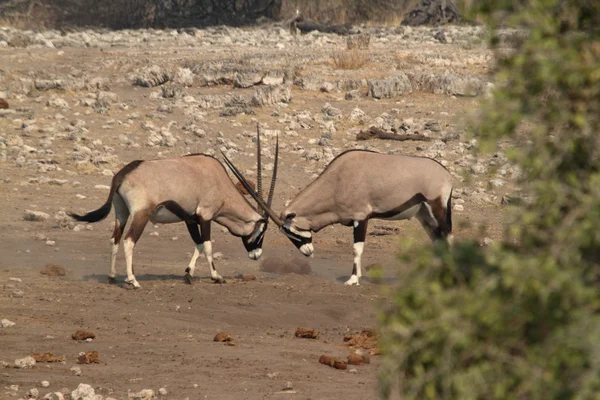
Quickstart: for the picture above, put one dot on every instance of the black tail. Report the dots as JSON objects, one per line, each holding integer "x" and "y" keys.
{"x": 449, "y": 213}
{"x": 102, "y": 212}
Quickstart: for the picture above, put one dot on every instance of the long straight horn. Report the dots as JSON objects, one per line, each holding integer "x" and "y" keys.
{"x": 258, "y": 162}
{"x": 274, "y": 177}
{"x": 247, "y": 186}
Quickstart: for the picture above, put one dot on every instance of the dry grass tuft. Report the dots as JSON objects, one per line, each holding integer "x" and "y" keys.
{"x": 354, "y": 58}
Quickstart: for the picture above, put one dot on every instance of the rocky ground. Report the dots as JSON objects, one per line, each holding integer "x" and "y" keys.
{"x": 80, "y": 105}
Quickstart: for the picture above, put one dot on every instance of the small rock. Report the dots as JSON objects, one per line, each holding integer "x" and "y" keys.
{"x": 33, "y": 393}
{"x": 306, "y": 333}
{"x": 162, "y": 391}
{"x": 75, "y": 371}
{"x": 6, "y": 323}
{"x": 458, "y": 207}
{"x": 497, "y": 183}
{"x": 15, "y": 280}
{"x": 45, "y": 384}
{"x": 145, "y": 394}
{"x": 26, "y": 362}
{"x": 31, "y": 215}
{"x": 478, "y": 169}
{"x": 83, "y": 392}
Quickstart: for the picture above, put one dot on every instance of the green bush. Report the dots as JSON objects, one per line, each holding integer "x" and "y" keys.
{"x": 521, "y": 319}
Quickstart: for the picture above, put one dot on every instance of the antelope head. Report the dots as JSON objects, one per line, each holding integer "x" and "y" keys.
{"x": 253, "y": 242}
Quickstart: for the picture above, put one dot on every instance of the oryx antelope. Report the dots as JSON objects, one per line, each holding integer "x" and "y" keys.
{"x": 359, "y": 185}
{"x": 195, "y": 189}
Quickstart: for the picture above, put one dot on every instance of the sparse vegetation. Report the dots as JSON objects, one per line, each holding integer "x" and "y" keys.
{"x": 354, "y": 58}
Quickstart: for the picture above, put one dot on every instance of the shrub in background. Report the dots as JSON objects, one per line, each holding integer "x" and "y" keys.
{"x": 520, "y": 319}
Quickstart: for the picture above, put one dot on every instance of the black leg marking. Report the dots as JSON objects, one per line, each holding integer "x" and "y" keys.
{"x": 354, "y": 269}
{"x": 192, "y": 228}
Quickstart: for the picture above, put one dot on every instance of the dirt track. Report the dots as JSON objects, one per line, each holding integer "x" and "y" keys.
{"x": 162, "y": 335}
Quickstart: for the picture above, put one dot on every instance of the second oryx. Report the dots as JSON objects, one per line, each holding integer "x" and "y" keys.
{"x": 194, "y": 189}
{"x": 359, "y": 185}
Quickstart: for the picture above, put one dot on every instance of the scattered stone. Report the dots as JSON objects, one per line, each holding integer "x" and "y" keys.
{"x": 35, "y": 216}
{"x": 3, "y": 104}
{"x": 53, "y": 270}
{"x": 45, "y": 384}
{"x": 162, "y": 391}
{"x": 83, "y": 335}
{"x": 145, "y": 394}
{"x": 33, "y": 393}
{"x": 26, "y": 362}
{"x": 458, "y": 207}
{"x": 381, "y": 88}
{"x": 222, "y": 337}
{"x": 5, "y": 323}
{"x": 306, "y": 333}
{"x": 377, "y": 133}
{"x": 248, "y": 278}
{"x": 151, "y": 76}
{"x": 83, "y": 392}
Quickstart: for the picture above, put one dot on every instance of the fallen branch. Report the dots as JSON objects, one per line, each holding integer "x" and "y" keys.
{"x": 374, "y": 132}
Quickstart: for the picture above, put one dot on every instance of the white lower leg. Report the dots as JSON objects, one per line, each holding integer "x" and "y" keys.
{"x": 356, "y": 271}
{"x": 113, "y": 259}
{"x": 208, "y": 253}
{"x": 192, "y": 265}
{"x": 128, "y": 248}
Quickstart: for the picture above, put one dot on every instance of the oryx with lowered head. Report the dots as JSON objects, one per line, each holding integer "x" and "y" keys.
{"x": 194, "y": 189}
{"x": 359, "y": 185}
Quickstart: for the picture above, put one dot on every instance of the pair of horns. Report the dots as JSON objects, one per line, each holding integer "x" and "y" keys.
{"x": 257, "y": 196}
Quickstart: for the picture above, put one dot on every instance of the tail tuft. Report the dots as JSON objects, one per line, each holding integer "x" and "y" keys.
{"x": 93, "y": 216}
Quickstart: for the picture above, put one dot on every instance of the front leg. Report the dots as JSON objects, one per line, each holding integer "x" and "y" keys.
{"x": 197, "y": 238}
{"x": 205, "y": 230}
{"x": 360, "y": 233}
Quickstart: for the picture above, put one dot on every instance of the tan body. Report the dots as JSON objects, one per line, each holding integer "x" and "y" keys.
{"x": 194, "y": 189}
{"x": 362, "y": 185}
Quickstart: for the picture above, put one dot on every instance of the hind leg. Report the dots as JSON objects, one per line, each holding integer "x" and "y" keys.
{"x": 138, "y": 223}
{"x": 121, "y": 217}
{"x": 360, "y": 234}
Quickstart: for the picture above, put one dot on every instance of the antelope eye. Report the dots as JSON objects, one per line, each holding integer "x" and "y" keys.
{"x": 290, "y": 216}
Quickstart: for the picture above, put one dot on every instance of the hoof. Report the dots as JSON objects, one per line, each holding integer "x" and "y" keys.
{"x": 134, "y": 284}
{"x": 219, "y": 280}
{"x": 112, "y": 280}
{"x": 188, "y": 279}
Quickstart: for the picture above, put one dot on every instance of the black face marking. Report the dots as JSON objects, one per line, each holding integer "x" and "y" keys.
{"x": 296, "y": 239}
{"x": 258, "y": 241}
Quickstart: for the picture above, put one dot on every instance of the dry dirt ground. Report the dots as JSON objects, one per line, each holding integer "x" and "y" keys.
{"x": 161, "y": 336}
